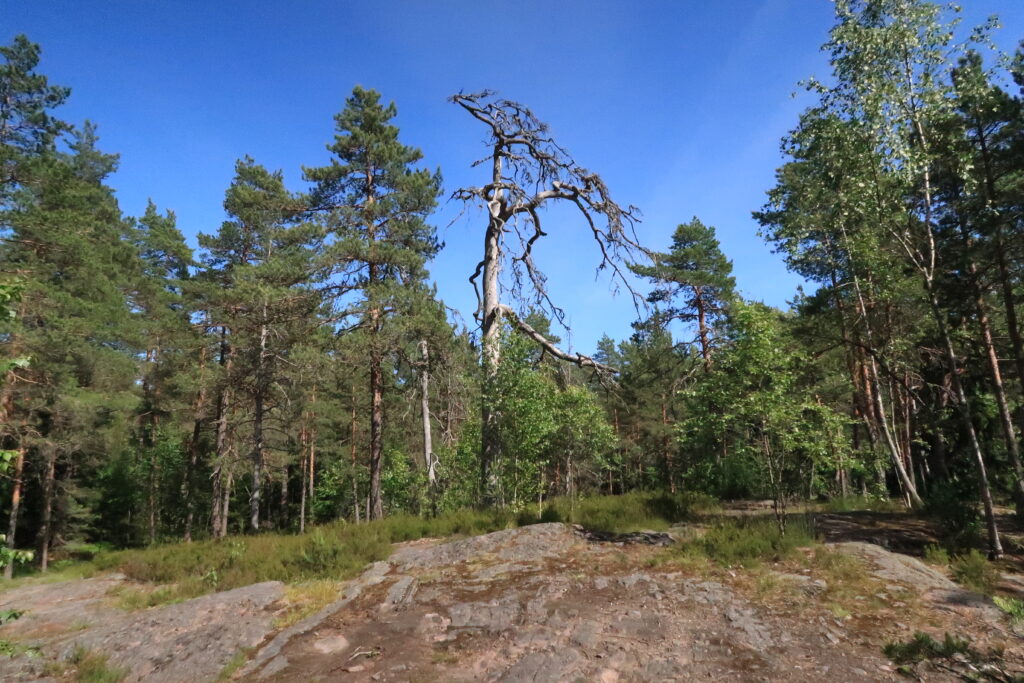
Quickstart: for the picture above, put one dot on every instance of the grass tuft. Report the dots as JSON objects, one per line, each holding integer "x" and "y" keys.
{"x": 1012, "y": 608}
{"x": 747, "y": 542}
{"x": 92, "y": 667}
{"x": 936, "y": 554}
{"x": 307, "y": 598}
{"x": 975, "y": 571}
{"x": 634, "y": 511}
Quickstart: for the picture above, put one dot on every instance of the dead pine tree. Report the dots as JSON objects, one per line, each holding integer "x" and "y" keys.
{"x": 529, "y": 170}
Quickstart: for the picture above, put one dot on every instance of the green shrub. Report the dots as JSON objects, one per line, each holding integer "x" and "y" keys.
{"x": 975, "y": 571}
{"x": 340, "y": 550}
{"x": 337, "y": 551}
{"x": 627, "y": 512}
{"x": 748, "y": 541}
{"x": 936, "y": 554}
{"x": 922, "y": 646}
{"x": 958, "y": 519}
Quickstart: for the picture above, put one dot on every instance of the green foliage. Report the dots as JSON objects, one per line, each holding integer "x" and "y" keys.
{"x": 748, "y": 542}
{"x": 336, "y": 551}
{"x": 975, "y": 571}
{"x": 922, "y": 647}
{"x": 753, "y": 406}
{"x": 1012, "y": 607}
{"x": 954, "y": 508}
{"x": 936, "y": 554}
{"x": 547, "y": 430}
{"x": 93, "y": 667}
{"x": 632, "y": 511}
{"x": 9, "y": 615}
{"x": 9, "y": 556}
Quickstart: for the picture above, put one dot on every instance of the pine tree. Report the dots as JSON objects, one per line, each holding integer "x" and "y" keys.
{"x": 266, "y": 259}
{"x": 696, "y": 270}
{"x": 375, "y": 202}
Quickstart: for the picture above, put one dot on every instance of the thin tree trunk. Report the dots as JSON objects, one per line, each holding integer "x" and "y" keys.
{"x": 312, "y": 448}
{"x": 225, "y": 505}
{"x": 257, "y": 465}
{"x": 46, "y": 531}
{"x": 257, "y": 426}
{"x": 219, "y": 512}
{"x": 355, "y": 464}
{"x": 1009, "y": 433}
{"x": 305, "y": 484}
{"x": 702, "y": 329}
{"x": 12, "y": 523}
{"x": 1010, "y": 306}
{"x": 190, "y": 473}
{"x": 193, "y": 447}
{"x": 666, "y": 445}
{"x": 994, "y": 545}
{"x": 376, "y": 434}
{"x": 283, "y": 521}
{"x": 879, "y": 406}
{"x": 428, "y": 438}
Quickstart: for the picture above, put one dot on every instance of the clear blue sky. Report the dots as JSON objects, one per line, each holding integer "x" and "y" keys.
{"x": 679, "y": 104}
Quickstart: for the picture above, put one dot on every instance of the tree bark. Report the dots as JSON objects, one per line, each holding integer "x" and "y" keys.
{"x": 428, "y": 437}
{"x": 702, "y": 329}
{"x": 1009, "y": 433}
{"x": 355, "y": 464}
{"x": 257, "y": 426}
{"x": 305, "y": 483}
{"x": 193, "y": 447}
{"x": 12, "y": 523}
{"x": 218, "y": 515}
{"x": 46, "y": 530}
{"x": 879, "y": 407}
{"x": 490, "y": 453}
{"x": 376, "y": 430}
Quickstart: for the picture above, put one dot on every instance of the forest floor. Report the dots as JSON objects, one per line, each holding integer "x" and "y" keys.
{"x": 548, "y": 602}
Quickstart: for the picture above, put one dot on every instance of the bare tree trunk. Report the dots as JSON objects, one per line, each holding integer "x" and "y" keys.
{"x": 12, "y": 523}
{"x": 355, "y": 465}
{"x": 257, "y": 464}
{"x": 257, "y": 426}
{"x": 428, "y": 438}
{"x": 190, "y": 470}
{"x": 225, "y": 518}
{"x": 703, "y": 332}
{"x": 376, "y": 433}
{"x": 305, "y": 484}
{"x": 193, "y": 447}
{"x": 490, "y": 454}
{"x": 666, "y": 446}
{"x": 219, "y": 513}
{"x": 45, "y": 530}
{"x": 312, "y": 448}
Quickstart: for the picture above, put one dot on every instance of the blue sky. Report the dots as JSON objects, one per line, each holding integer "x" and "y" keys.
{"x": 678, "y": 104}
